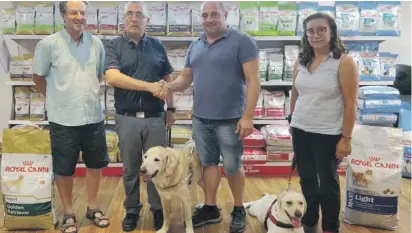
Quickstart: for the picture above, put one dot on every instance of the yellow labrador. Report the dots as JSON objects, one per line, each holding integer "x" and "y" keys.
{"x": 174, "y": 172}
{"x": 280, "y": 214}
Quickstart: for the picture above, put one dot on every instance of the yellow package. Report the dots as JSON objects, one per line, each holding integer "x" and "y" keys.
{"x": 27, "y": 180}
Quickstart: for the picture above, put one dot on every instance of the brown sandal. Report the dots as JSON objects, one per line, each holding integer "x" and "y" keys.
{"x": 91, "y": 215}
{"x": 66, "y": 225}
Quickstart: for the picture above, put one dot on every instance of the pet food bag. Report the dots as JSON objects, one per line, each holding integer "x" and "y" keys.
{"x": 405, "y": 124}
{"x": 373, "y": 180}
{"x": 27, "y": 180}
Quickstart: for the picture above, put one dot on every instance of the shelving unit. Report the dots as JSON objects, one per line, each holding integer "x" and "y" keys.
{"x": 270, "y": 168}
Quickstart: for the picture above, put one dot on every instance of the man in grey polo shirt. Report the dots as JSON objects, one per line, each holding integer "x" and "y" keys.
{"x": 224, "y": 65}
{"x": 135, "y": 63}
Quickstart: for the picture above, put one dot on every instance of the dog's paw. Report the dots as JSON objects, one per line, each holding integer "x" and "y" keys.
{"x": 162, "y": 230}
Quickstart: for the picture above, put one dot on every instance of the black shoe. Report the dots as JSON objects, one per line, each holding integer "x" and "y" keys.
{"x": 206, "y": 215}
{"x": 238, "y": 224}
{"x": 158, "y": 219}
{"x": 130, "y": 222}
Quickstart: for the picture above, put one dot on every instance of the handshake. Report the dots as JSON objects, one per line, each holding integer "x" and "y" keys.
{"x": 159, "y": 89}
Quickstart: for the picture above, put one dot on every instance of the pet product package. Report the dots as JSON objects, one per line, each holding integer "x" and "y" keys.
{"x": 233, "y": 14}
{"x": 268, "y": 18}
{"x": 58, "y": 21}
{"x": 179, "y": 22}
{"x": 274, "y": 104}
{"x": 197, "y": 27}
{"x": 347, "y": 18}
{"x": 405, "y": 124}
{"x": 370, "y": 66}
{"x": 43, "y": 23}
{"x": 376, "y": 118}
{"x": 158, "y": 18}
{"x": 27, "y": 180}
{"x": 373, "y": 180}
{"x": 291, "y": 54}
{"x": 249, "y": 17}
{"x": 263, "y": 65}
{"x": 287, "y": 18}
{"x": 92, "y": 19}
{"x": 387, "y": 66}
{"x": 378, "y": 92}
{"x": 8, "y": 20}
{"x": 107, "y": 18}
{"x": 112, "y": 141}
{"x": 379, "y": 105}
{"x": 304, "y": 10}
{"x": 275, "y": 66}
{"x": 25, "y": 18}
{"x": 388, "y": 20}
{"x": 120, "y": 15}
{"x": 329, "y": 10}
{"x": 16, "y": 68}
{"x": 368, "y": 22}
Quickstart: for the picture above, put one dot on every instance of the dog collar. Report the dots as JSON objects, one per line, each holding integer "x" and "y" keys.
{"x": 272, "y": 218}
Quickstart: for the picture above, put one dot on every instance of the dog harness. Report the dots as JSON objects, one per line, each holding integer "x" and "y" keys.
{"x": 272, "y": 218}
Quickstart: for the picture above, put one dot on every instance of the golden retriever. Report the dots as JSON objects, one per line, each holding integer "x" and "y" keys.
{"x": 174, "y": 172}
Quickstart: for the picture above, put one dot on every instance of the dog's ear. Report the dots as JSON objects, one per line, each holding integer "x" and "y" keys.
{"x": 279, "y": 201}
{"x": 305, "y": 205}
{"x": 170, "y": 162}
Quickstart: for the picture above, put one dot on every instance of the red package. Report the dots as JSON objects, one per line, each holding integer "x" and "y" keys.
{"x": 255, "y": 139}
{"x": 254, "y": 156}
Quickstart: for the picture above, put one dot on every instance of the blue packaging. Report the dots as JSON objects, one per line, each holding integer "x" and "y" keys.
{"x": 389, "y": 18}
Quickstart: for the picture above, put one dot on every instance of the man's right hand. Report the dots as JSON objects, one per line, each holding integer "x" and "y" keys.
{"x": 159, "y": 90}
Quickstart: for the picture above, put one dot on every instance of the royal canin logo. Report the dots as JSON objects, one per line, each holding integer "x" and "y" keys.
{"x": 28, "y": 163}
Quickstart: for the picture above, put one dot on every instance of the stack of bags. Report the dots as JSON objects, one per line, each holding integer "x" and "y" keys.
{"x": 254, "y": 148}
{"x": 378, "y": 106}
{"x": 279, "y": 143}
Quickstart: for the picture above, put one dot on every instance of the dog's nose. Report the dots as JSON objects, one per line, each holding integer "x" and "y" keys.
{"x": 298, "y": 214}
{"x": 143, "y": 171}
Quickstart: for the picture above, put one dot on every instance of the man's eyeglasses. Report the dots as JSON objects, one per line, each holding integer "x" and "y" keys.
{"x": 320, "y": 31}
{"x": 138, "y": 15}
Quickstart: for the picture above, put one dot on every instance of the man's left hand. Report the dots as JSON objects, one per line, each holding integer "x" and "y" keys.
{"x": 244, "y": 127}
{"x": 170, "y": 119}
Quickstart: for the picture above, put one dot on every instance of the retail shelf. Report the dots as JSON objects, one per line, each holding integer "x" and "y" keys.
{"x": 268, "y": 169}
{"x": 376, "y": 83}
{"x": 27, "y": 122}
{"x": 28, "y": 83}
{"x": 190, "y": 38}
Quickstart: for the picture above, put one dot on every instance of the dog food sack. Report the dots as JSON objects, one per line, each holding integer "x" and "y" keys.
{"x": 249, "y": 17}
{"x": 179, "y": 22}
{"x": 373, "y": 180}
{"x": 388, "y": 20}
{"x": 405, "y": 125}
{"x": 158, "y": 18}
{"x": 8, "y": 20}
{"x": 287, "y": 18}
{"x": 27, "y": 180}
{"x": 347, "y": 17}
{"x": 233, "y": 14}
{"x": 25, "y": 18}
{"x": 368, "y": 18}
{"x": 43, "y": 23}
{"x": 387, "y": 66}
{"x": 305, "y": 9}
{"x": 268, "y": 18}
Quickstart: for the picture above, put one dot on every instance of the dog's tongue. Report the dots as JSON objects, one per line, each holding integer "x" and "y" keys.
{"x": 145, "y": 178}
{"x": 296, "y": 222}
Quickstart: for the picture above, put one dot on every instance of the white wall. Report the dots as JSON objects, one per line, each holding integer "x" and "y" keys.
{"x": 401, "y": 45}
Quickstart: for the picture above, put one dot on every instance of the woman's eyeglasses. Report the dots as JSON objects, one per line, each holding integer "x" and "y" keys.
{"x": 320, "y": 31}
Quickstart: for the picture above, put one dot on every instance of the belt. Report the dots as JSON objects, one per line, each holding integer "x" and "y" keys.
{"x": 141, "y": 114}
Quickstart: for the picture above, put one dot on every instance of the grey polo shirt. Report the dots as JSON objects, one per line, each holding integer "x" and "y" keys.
{"x": 219, "y": 80}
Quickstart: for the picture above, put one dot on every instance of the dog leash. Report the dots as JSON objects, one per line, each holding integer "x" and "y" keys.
{"x": 292, "y": 168}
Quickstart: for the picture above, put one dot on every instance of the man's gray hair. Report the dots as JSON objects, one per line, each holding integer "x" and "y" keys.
{"x": 63, "y": 6}
{"x": 144, "y": 7}
{"x": 220, "y": 4}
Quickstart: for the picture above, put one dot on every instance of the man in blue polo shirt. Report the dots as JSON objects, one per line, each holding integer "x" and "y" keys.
{"x": 135, "y": 63}
{"x": 67, "y": 69}
{"x": 224, "y": 65}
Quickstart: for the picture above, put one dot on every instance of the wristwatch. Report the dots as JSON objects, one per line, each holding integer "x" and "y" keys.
{"x": 171, "y": 109}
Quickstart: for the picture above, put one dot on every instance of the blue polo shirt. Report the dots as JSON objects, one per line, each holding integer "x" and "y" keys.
{"x": 219, "y": 80}
{"x": 72, "y": 75}
{"x": 146, "y": 61}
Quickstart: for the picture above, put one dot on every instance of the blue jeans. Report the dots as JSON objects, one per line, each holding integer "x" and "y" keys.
{"x": 215, "y": 137}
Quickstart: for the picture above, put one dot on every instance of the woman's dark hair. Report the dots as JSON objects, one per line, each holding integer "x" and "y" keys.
{"x": 336, "y": 46}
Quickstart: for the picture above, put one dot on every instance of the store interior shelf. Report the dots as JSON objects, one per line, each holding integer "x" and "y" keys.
{"x": 190, "y": 38}
{"x": 265, "y": 84}
{"x": 178, "y": 122}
